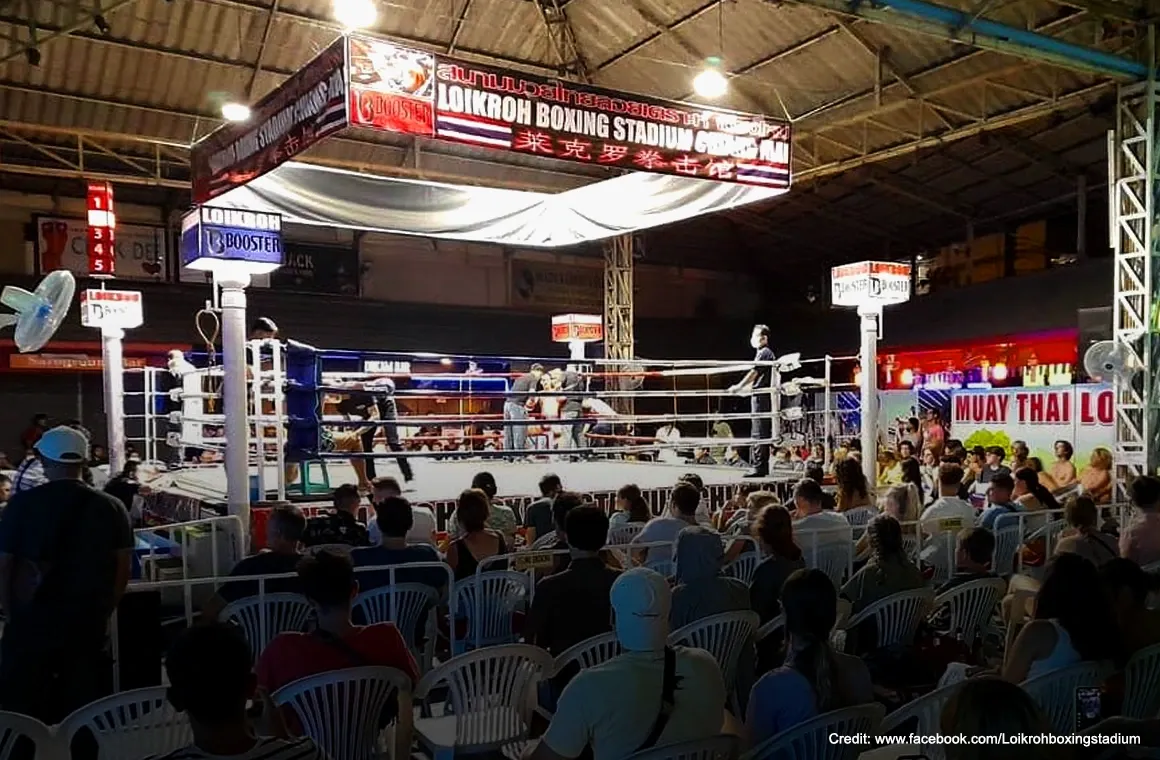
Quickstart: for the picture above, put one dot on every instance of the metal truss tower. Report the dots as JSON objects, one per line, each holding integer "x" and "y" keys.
{"x": 1133, "y": 171}
{"x": 619, "y": 341}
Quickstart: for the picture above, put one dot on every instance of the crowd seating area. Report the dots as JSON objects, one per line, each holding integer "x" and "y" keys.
{"x": 488, "y": 684}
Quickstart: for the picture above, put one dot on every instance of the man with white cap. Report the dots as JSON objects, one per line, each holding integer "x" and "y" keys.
{"x": 650, "y": 695}
{"x": 64, "y": 564}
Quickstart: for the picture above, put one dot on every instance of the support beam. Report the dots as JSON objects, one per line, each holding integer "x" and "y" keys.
{"x": 1037, "y": 154}
{"x": 958, "y": 26}
{"x": 562, "y": 39}
{"x": 269, "y": 26}
{"x": 1133, "y": 166}
{"x": 619, "y": 337}
{"x": 81, "y": 20}
{"x": 919, "y": 193}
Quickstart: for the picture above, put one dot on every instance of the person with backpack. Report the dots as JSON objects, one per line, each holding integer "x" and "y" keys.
{"x": 64, "y": 564}
{"x": 650, "y": 695}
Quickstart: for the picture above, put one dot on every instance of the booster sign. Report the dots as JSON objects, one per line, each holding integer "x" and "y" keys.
{"x": 252, "y": 238}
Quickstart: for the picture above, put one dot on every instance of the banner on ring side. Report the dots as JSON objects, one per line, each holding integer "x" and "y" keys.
{"x": 307, "y": 107}
{"x": 398, "y": 89}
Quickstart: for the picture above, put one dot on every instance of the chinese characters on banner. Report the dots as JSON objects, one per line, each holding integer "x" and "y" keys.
{"x": 398, "y": 89}
{"x": 102, "y": 226}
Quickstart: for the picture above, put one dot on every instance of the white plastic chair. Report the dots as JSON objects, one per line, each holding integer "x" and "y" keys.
{"x": 928, "y": 710}
{"x": 843, "y": 614}
{"x": 831, "y": 557}
{"x": 340, "y": 709}
{"x": 971, "y": 605}
{"x": 720, "y": 747}
{"x": 403, "y": 604}
{"x": 488, "y": 601}
{"x": 772, "y": 625}
{"x": 939, "y": 552}
{"x": 726, "y": 636}
{"x": 860, "y": 516}
{"x": 897, "y": 617}
{"x": 491, "y": 693}
{"x": 14, "y": 727}
{"x": 1142, "y": 684}
{"x": 132, "y": 725}
{"x": 811, "y": 740}
{"x": 588, "y": 653}
{"x": 545, "y": 541}
{"x": 619, "y": 535}
{"x": 1008, "y": 539}
{"x": 743, "y": 568}
{"x": 1054, "y": 692}
{"x": 263, "y": 618}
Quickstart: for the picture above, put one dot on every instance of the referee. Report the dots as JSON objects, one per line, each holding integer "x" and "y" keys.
{"x": 380, "y": 396}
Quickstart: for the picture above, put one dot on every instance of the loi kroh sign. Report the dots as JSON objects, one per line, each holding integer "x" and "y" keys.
{"x": 586, "y": 328}
{"x": 398, "y": 89}
{"x": 870, "y": 283}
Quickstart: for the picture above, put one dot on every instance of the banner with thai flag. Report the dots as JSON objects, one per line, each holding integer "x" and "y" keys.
{"x": 404, "y": 90}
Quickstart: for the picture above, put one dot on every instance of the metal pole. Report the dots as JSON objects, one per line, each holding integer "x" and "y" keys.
{"x": 233, "y": 301}
{"x": 871, "y": 317}
{"x": 112, "y": 359}
{"x": 827, "y": 424}
{"x": 1081, "y": 215}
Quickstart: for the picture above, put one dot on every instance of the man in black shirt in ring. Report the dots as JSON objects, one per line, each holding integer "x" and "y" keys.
{"x": 378, "y": 393}
{"x": 758, "y": 382}
{"x": 515, "y": 408}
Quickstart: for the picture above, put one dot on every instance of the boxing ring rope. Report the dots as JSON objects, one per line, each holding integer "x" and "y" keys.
{"x": 178, "y": 414}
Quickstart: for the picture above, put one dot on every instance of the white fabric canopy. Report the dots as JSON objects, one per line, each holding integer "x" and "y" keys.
{"x": 316, "y": 195}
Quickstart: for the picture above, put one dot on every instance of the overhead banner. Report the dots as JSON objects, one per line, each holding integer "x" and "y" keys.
{"x": 307, "y": 107}
{"x": 541, "y": 285}
{"x": 63, "y": 243}
{"x": 1082, "y": 415}
{"x": 398, "y": 89}
{"x": 317, "y": 269}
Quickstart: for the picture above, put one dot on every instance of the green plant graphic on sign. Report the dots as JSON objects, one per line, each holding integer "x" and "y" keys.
{"x": 984, "y": 437}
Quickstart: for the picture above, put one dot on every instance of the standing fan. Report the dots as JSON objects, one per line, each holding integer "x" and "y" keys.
{"x": 39, "y": 313}
{"x": 1107, "y": 360}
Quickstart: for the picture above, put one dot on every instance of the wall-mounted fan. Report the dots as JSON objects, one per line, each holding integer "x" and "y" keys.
{"x": 39, "y": 313}
{"x": 1107, "y": 360}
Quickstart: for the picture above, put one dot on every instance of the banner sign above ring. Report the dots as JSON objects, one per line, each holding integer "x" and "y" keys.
{"x": 211, "y": 235}
{"x": 307, "y": 107}
{"x": 398, "y": 89}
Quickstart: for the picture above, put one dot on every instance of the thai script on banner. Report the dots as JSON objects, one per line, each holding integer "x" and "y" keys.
{"x": 307, "y": 107}
{"x": 62, "y": 243}
{"x": 399, "y": 89}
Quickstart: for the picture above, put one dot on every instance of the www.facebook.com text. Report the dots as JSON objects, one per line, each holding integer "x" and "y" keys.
{"x": 1083, "y": 740}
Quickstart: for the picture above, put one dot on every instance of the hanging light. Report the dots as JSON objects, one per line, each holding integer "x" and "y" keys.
{"x": 999, "y": 372}
{"x": 355, "y": 14}
{"x": 234, "y": 111}
{"x": 906, "y": 377}
{"x": 711, "y": 83}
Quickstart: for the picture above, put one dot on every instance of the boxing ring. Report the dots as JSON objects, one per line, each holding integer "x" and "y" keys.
{"x": 443, "y": 417}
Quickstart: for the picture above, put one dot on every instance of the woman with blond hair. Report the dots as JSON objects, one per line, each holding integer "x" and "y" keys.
{"x": 1096, "y": 478}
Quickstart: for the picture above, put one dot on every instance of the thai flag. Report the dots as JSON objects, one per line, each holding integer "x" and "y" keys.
{"x": 332, "y": 118}
{"x": 760, "y": 174}
{"x": 472, "y": 130}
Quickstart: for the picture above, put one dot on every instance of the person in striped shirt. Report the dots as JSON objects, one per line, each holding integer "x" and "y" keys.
{"x": 211, "y": 680}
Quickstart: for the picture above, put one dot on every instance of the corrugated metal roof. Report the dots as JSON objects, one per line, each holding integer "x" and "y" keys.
{"x": 161, "y": 72}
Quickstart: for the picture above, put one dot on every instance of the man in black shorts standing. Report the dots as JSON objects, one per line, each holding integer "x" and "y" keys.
{"x": 515, "y": 409}
{"x": 757, "y": 382}
{"x": 379, "y": 393}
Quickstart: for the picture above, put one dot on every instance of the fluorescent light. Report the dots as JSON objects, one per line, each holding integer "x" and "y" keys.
{"x": 235, "y": 111}
{"x": 355, "y": 14}
{"x": 711, "y": 83}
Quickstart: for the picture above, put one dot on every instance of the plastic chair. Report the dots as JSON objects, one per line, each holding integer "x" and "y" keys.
{"x": 263, "y": 618}
{"x": 928, "y": 709}
{"x": 811, "y": 740}
{"x": 971, "y": 605}
{"x": 132, "y": 725}
{"x": 588, "y": 653}
{"x": 489, "y": 601}
{"x": 1142, "y": 684}
{"x": 619, "y": 535}
{"x": 665, "y": 567}
{"x": 720, "y": 747}
{"x": 340, "y": 709}
{"x": 726, "y": 636}
{"x": 939, "y": 553}
{"x": 897, "y": 616}
{"x": 1054, "y": 692}
{"x": 403, "y": 604}
{"x": 1008, "y": 539}
{"x": 860, "y": 516}
{"x": 14, "y": 727}
{"x": 742, "y": 568}
{"x": 546, "y": 541}
{"x": 833, "y": 558}
{"x": 491, "y": 692}
{"x": 1050, "y": 535}
{"x": 772, "y": 625}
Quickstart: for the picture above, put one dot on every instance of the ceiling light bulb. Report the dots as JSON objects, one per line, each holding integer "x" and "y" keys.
{"x": 355, "y": 14}
{"x": 711, "y": 83}
{"x": 235, "y": 111}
